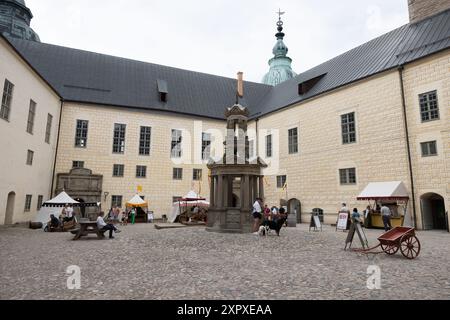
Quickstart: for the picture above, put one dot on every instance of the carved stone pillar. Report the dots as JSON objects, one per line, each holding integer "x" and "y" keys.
{"x": 261, "y": 187}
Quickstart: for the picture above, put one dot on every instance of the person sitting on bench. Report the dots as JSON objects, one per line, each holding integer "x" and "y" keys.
{"x": 54, "y": 222}
{"x": 103, "y": 226}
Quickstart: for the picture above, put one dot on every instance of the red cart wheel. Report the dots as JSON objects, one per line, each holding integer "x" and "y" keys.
{"x": 410, "y": 246}
{"x": 389, "y": 249}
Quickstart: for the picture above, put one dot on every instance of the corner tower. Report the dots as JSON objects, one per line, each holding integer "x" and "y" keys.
{"x": 280, "y": 64}
{"x": 15, "y": 20}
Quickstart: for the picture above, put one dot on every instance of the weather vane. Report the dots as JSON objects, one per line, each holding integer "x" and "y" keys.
{"x": 280, "y": 13}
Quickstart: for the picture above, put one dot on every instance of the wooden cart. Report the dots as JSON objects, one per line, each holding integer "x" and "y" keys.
{"x": 400, "y": 238}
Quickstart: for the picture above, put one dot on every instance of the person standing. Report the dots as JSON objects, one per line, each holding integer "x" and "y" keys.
{"x": 133, "y": 215}
{"x": 367, "y": 217}
{"x": 345, "y": 209}
{"x": 257, "y": 215}
{"x": 386, "y": 214}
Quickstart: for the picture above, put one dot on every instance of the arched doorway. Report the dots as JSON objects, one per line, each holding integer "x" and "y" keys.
{"x": 433, "y": 212}
{"x": 10, "y": 208}
{"x": 295, "y": 207}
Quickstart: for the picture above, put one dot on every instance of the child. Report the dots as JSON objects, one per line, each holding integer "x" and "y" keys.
{"x": 124, "y": 218}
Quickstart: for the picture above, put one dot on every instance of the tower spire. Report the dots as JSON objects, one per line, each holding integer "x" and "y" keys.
{"x": 280, "y": 64}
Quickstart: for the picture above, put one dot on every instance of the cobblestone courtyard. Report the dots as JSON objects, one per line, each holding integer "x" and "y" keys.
{"x": 190, "y": 263}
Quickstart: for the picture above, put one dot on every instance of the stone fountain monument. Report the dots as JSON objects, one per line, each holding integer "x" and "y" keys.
{"x": 235, "y": 181}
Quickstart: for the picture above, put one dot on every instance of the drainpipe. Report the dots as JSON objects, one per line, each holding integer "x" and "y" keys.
{"x": 408, "y": 145}
{"x": 57, "y": 147}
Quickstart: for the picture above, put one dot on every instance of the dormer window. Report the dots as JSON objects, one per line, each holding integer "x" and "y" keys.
{"x": 307, "y": 85}
{"x": 163, "y": 90}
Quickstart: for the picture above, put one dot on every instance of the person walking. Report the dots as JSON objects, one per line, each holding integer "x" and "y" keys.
{"x": 386, "y": 214}
{"x": 257, "y": 215}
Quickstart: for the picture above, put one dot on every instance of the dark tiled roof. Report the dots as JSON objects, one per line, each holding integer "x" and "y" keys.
{"x": 101, "y": 79}
{"x": 405, "y": 44}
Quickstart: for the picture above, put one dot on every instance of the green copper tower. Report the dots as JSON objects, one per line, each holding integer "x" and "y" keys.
{"x": 15, "y": 18}
{"x": 280, "y": 64}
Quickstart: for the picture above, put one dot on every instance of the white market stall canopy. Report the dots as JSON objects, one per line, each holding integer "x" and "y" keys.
{"x": 192, "y": 196}
{"x": 394, "y": 190}
{"x": 137, "y": 202}
{"x": 60, "y": 200}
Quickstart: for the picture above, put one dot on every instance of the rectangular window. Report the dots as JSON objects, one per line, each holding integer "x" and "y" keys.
{"x": 347, "y": 176}
{"x": 251, "y": 149}
{"x": 141, "y": 171}
{"x": 176, "y": 144}
{"x": 119, "y": 138}
{"x": 48, "y": 129}
{"x": 30, "y": 156}
{"x": 28, "y": 202}
{"x": 145, "y": 141}
{"x": 118, "y": 170}
{"x": 348, "y": 128}
{"x": 31, "y": 115}
{"x": 116, "y": 201}
{"x": 177, "y": 174}
{"x": 269, "y": 146}
{"x": 429, "y": 149}
{"x": 6, "y": 100}
{"x": 77, "y": 164}
{"x": 197, "y": 176}
{"x": 40, "y": 202}
{"x": 281, "y": 181}
{"x": 293, "y": 141}
{"x": 429, "y": 109}
{"x": 206, "y": 146}
{"x": 81, "y": 133}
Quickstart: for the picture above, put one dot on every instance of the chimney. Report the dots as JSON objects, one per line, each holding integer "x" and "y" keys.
{"x": 240, "y": 88}
{"x": 422, "y": 9}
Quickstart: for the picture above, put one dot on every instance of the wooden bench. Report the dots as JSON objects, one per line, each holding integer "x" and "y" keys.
{"x": 87, "y": 228}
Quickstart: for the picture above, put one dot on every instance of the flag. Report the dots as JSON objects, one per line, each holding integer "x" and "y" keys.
{"x": 139, "y": 189}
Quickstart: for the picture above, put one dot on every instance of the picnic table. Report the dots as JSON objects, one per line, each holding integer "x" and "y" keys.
{"x": 86, "y": 228}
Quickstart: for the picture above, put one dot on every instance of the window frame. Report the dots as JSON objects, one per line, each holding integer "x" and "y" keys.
{"x": 206, "y": 145}
{"x": 78, "y": 162}
{"x": 28, "y": 202}
{"x": 31, "y": 117}
{"x": 145, "y": 141}
{"x": 7, "y": 98}
{"x": 293, "y": 141}
{"x": 114, "y": 202}
{"x": 175, "y": 175}
{"x": 48, "y": 128}
{"x": 176, "y": 150}
{"x": 283, "y": 180}
{"x": 425, "y": 106}
{"x": 117, "y": 165}
{"x": 269, "y": 146}
{"x": 40, "y": 202}
{"x": 119, "y": 138}
{"x": 197, "y": 177}
{"x": 30, "y": 157}
{"x": 346, "y": 126}
{"x": 427, "y": 145}
{"x": 81, "y": 133}
{"x": 348, "y": 175}
{"x": 141, "y": 170}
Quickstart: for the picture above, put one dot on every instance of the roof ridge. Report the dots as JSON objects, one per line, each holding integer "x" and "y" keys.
{"x": 134, "y": 60}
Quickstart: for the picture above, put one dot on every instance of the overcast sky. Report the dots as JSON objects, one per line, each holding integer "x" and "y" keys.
{"x": 215, "y": 36}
